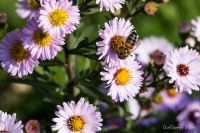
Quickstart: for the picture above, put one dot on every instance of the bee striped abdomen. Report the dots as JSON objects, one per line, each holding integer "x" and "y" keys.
{"x": 132, "y": 38}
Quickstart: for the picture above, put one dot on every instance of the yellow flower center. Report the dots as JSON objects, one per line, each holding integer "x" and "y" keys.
{"x": 158, "y": 99}
{"x": 33, "y": 4}
{"x": 42, "y": 38}
{"x": 117, "y": 42}
{"x": 122, "y": 76}
{"x": 76, "y": 123}
{"x": 58, "y": 17}
{"x": 18, "y": 53}
{"x": 171, "y": 92}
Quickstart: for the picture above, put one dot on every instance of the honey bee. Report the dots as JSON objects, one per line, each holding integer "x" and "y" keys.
{"x": 130, "y": 44}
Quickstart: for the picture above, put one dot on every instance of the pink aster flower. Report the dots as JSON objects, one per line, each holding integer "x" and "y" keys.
{"x": 28, "y": 8}
{"x": 182, "y": 66}
{"x": 110, "y": 5}
{"x": 8, "y": 123}
{"x": 124, "y": 81}
{"x": 114, "y": 33}
{"x": 40, "y": 43}
{"x": 196, "y": 28}
{"x": 59, "y": 17}
{"x": 153, "y": 48}
{"x": 32, "y": 126}
{"x": 15, "y": 59}
{"x": 80, "y": 117}
{"x": 189, "y": 119}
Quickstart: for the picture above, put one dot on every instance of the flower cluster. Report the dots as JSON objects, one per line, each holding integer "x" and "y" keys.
{"x": 41, "y": 38}
{"x": 149, "y": 73}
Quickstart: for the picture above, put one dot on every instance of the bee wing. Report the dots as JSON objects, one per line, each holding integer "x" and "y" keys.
{"x": 136, "y": 45}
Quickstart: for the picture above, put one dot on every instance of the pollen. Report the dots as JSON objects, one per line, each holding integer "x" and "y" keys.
{"x": 158, "y": 99}
{"x": 33, "y": 4}
{"x": 18, "y": 53}
{"x": 117, "y": 42}
{"x": 76, "y": 123}
{"x": 42, "y": 38}
{"x": 183, "y": 70}
{"x": 122, "y": 76}
{"x": 171, "y": 92}
{"x": 58, "y": 17}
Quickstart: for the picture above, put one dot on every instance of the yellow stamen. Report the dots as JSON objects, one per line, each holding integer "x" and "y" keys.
{"x": 171, "y": 92}
{"x": 76, "y": 123}
{"x": 18, "y": 53}
{"x": 158, "y": 99}
{"x": 58, "y": 17}
{"x": 117, "y": 42}
{"x": 42, "y": 38}
{"x": 122, "y": 76}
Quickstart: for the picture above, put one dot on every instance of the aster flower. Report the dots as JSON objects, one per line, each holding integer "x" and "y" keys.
{"x": 59, "y": 17}
{"x": 189, "y": 119}
{"x": 112, "y": 36}
{"x": 175, "y": 101}
{"x": 15, "y": 59}
{"x": 196, "y": 28}
{"x": 153, "y": 48}
{"x": 28, "y": 8}
{"x": 79, "y": 117}
{"x": 40, "y": 43}
{"x": 32, "y": 126}
{"x": 182, "y": 66}
{"x": 8, "y": 123}
{"x": 124, "y": 81}
{"x": 110, "y": 5}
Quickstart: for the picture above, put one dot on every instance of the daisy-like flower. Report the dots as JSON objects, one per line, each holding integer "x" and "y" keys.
{"x": 15, "y": 59}
{"x": 182, "y": 66}
{"x": 189, "y": 119}
{"x": 113, "y": 36}
{"x": 59, "y": 17}
{"x": 80, "y": 117}
{"x": 175, "y": 101}
{"x": 196, "y": 28}
{"x": 153, "y": 48}
{"x": 32, "y": 126}
{"x": 124, "y": 81}
{"x": 110, "y": 5}
{"x": 40, "y": 43}
{"x": 28, "y": 8}
{"x": 8, "y": 123}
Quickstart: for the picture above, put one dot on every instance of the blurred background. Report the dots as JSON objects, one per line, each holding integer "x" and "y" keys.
{"x": 37, "y": 100}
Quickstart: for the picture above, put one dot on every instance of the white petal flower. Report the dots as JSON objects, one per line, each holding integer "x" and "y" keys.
{"x": 182, "y": 66}
{"x": 80, "y": 117}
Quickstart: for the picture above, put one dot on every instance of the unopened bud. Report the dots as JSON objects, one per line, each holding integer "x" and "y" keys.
{"x": 190, "y": 41}
{"x": 3, "y": 19}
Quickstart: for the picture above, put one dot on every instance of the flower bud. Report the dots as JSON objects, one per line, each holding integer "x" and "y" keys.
{"x": 151, "y": 8}
{"x": 3, "y": 19}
